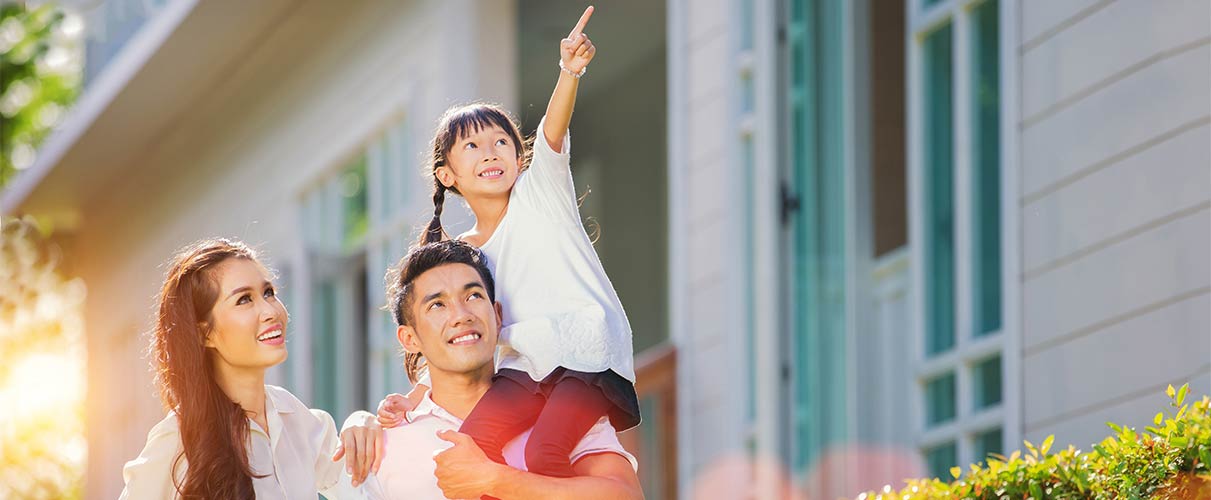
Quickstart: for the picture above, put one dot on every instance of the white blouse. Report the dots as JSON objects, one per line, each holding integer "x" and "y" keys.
{"x": 296, "y": 455}
{"x": 560, "y": 308}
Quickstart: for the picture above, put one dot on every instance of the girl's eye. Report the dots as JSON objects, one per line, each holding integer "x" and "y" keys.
{"x": 270, "y": 292}
{"x": 470, "y": 145}
{"x": 501, "y": 142}
{"x": 243, "y": 299}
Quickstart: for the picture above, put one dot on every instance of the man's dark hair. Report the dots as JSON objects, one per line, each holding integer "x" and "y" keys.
{"x": 420, "y": 259}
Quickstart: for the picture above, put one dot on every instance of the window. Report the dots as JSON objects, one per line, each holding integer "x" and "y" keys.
{"x": 814, "y": 103}
{"x": 357, "y": 223}
{"x": 955, "y": 82}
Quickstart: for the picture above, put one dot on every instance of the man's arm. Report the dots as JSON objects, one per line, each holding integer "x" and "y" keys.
{"x": 463, "y": 471}
{"x": 601, "y": 476}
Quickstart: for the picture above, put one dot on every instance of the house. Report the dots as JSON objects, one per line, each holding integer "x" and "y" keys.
{"x": 856, "y": 240}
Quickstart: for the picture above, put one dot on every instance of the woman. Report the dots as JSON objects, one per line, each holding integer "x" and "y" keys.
{"x": 228, "y": 435}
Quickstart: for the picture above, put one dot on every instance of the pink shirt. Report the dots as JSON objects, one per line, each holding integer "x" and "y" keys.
{"x": 407, "y": 468}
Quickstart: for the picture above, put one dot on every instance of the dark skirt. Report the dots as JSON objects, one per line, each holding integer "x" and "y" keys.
{"x": 620, "y": 392}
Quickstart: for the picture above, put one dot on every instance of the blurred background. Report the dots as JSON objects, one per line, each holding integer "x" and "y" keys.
{"x": 858, "y": 241}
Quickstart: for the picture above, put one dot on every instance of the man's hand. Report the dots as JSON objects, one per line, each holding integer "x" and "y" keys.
{"x": 362, "y": 445}
{"x": 463, "y": 470}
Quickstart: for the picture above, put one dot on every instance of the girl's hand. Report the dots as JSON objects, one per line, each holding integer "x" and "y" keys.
{"x": 576, "y": 50}
{"x": 393, "y": 410}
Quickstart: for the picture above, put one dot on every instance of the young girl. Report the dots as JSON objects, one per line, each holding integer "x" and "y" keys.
{"x": 228, "y": 435}
{"x": 566, "y": 359}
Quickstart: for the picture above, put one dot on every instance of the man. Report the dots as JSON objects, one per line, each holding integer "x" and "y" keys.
{"x": 442, "y": 298}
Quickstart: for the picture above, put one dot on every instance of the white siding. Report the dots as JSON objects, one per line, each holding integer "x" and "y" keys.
{"x": 1133, "y": 110}
{"x": 1111, "y": 41}
{"x": 1040, "y": 19}
{"x": 1157, "y": 183}
{"x": 711, "y": 347}
{"x": 1115, "y": 204}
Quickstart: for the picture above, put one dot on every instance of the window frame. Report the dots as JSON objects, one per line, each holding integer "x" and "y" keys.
{"x": 970, "y": 348}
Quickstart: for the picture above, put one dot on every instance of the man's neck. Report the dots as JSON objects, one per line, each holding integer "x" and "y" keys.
{"x": 458, "y": 393}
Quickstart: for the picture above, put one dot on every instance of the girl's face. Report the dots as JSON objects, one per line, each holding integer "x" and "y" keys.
{"x": 481, "y": 164}
{"x": 247, "y": 326}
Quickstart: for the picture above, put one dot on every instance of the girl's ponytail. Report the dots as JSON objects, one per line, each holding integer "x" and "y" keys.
{"x": 434, "y": 233}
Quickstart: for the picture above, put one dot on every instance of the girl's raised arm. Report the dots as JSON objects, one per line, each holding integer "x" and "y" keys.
{"x": 575, "y": 52}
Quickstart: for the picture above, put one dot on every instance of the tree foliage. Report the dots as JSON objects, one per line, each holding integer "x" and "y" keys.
{"x": 40, "y": 75}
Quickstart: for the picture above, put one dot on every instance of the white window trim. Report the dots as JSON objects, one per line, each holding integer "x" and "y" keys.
{"x": 678, "y": 95}
{"x": 769, "y": 413}
{"x": 1007, "y": 341}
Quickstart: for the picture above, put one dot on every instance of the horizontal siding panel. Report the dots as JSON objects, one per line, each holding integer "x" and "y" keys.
{"x": 1109, "y": 41}
{"x": 1172, "y": 342}
{"x": 1149, "y": 268}
{"x": 1038, "y": 18}
{"x": 1084, "y": 430}
{"x": 1162, "y": 180}
{"x": 1133, "y": 110}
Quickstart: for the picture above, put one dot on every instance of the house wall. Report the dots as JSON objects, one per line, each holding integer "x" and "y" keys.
{"x": 708, "y": 275}
{"x": 300, "y": 104}
{"x": 1115, "y": 210}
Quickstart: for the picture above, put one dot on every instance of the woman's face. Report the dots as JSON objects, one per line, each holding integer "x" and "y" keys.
{"x": 247, "y": 327}
{"x": 481, "y": 163}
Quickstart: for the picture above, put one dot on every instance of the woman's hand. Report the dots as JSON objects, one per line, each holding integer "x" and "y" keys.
{"x": 362, "y": 447}
{"x": 577, "y": 50}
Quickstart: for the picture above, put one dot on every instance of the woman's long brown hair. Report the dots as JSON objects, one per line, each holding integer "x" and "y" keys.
{"x": 214, "y": 429}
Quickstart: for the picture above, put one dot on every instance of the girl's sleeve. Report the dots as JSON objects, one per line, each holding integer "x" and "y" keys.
{"x": 547, "y": 183}
{"x": 330, "y": 477}
{"x": 150, "y": 475}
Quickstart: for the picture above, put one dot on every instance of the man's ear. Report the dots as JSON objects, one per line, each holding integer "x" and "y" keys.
{"x": 445, "y": 176}
{"x": 408, "y": 338}
{"x": 500, "y": 316}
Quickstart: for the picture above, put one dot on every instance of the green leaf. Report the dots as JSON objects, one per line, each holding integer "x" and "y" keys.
{"x": 1169, "y": 391}
{"x": 1047, "y": 444}
{"x": 1160, "y": 416}
{"x": 1181, "y": 394}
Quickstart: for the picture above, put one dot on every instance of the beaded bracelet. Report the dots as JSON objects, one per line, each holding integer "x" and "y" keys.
{"x": 572, "y": 73}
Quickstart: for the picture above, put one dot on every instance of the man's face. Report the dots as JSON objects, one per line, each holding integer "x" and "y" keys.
{"x": 453, "y": 323}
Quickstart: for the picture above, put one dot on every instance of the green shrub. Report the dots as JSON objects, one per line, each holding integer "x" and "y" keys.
{"x": 1171, "y": 459}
